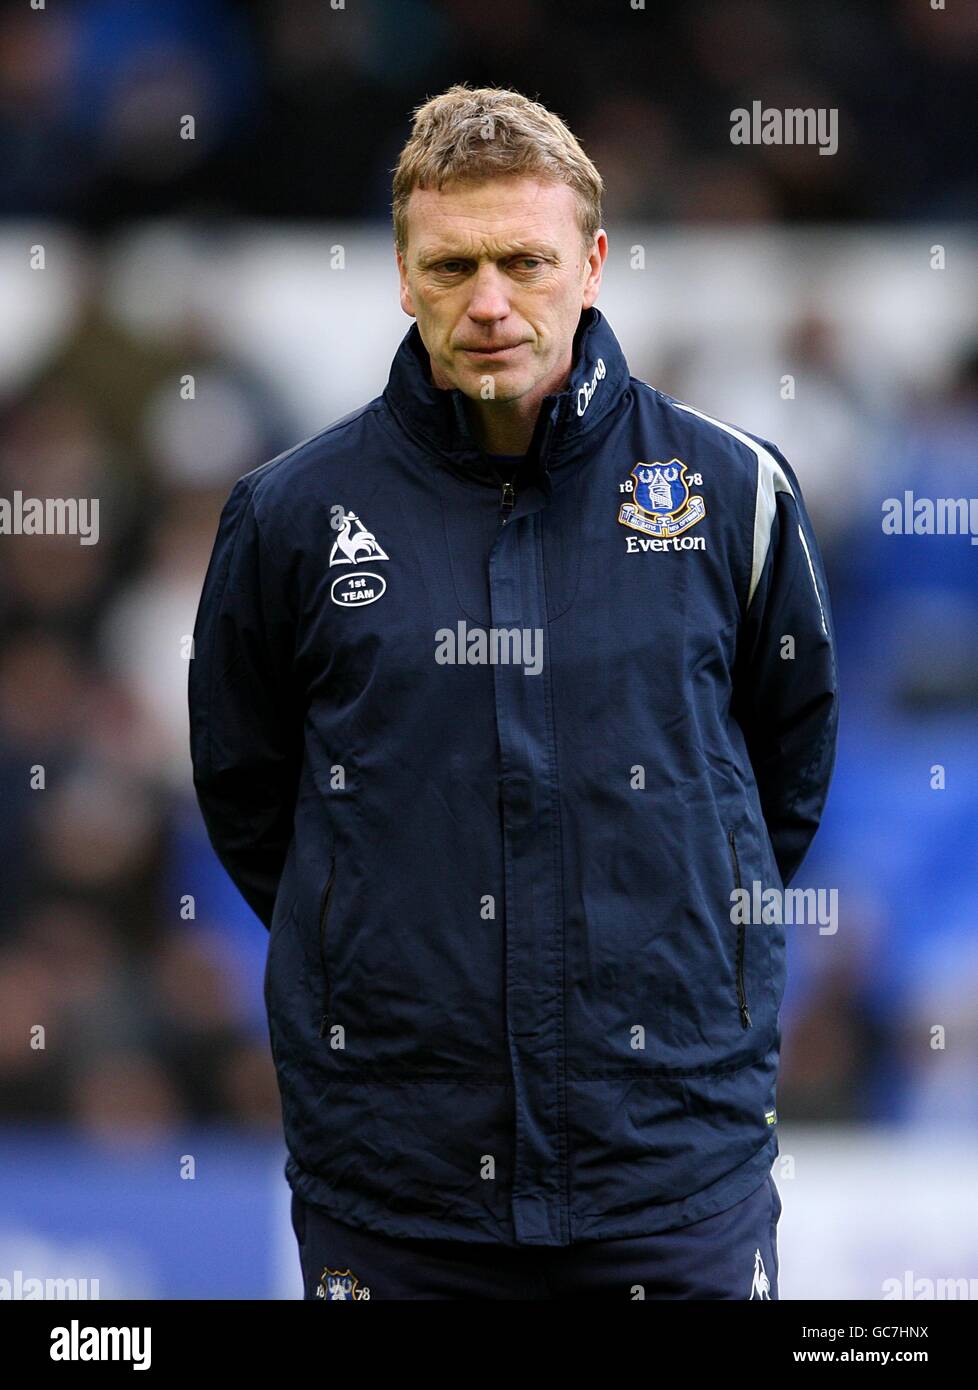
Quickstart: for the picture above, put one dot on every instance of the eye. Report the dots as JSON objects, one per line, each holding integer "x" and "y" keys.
{"x": 533, "y": 262}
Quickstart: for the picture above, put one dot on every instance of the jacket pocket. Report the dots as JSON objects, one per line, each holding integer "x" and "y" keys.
{"x": 745, "y": 1019}
{"x": 323, "y": 958}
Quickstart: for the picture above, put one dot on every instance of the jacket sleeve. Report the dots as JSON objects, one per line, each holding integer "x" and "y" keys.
{"x": 785, "y": 680}
{"x": 245, "y": 724}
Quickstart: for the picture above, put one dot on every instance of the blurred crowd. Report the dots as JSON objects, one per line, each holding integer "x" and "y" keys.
{"x": 149, "y": 1014}
{"x": 300, "y": 109}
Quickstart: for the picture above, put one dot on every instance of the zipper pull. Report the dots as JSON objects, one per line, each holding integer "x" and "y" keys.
{"x": 509, "y": 498}
{"x": 323, "y": 1025}
{"x": 745, "y": 1016}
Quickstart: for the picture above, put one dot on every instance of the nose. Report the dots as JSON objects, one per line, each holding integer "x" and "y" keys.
{"x": 489, "y": 301}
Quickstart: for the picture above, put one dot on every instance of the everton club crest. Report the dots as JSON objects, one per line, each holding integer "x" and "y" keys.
{"x": 341, "y": 1286}
{"x": 661, "y": 504}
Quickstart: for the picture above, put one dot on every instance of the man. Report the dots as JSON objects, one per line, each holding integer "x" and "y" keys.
{"x": 504, "y": 685}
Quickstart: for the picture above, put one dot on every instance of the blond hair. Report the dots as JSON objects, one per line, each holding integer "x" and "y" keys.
{"x": 471, "y": 134}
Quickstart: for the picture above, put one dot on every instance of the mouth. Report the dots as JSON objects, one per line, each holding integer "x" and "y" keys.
{"x": 491, "y": 353}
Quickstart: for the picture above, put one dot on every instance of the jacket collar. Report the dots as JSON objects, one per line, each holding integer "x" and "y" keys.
{"x": 436, "y": 418}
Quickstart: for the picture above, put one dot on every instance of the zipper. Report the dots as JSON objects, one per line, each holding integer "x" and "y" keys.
{"x": 323, "y": 918}
{"x": 508, "y": 489}
{"x": 509, "y": 498}
{"x": 745, "y": 1019}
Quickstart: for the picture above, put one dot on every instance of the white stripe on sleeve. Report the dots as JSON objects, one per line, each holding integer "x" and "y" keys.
{"x": 770, "y": 480}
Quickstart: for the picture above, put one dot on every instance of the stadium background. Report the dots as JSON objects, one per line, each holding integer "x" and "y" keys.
{"x": 217, "y": 257}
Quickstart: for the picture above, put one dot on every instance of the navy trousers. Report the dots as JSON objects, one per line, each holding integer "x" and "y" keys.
{"x": 733, "y": 1255}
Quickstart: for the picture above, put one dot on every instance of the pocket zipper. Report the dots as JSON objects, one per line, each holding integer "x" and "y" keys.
{"x": 323, "y": 918}
{"x": 745, "y": 1018}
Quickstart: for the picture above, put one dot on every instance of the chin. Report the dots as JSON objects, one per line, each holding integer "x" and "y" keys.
{"x": 506, "y": 378}
{"x": 505, "y": 391}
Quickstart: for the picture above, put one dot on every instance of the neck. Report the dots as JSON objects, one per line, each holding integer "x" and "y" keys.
{"x": 504, "y": 427}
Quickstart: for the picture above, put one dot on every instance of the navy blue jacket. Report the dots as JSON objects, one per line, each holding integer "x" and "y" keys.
{"x": 489, "y": 762}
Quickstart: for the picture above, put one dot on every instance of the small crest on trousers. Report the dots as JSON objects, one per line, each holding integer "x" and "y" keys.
{"x": 340, "y": 1286}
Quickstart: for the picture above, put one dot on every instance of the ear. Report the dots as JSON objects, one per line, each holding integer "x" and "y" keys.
{"x": 406, "y": 302}
{"x": 594, "y": 266}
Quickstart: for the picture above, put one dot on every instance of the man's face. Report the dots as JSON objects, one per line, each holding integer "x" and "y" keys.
{"x": 496, "y": 275}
